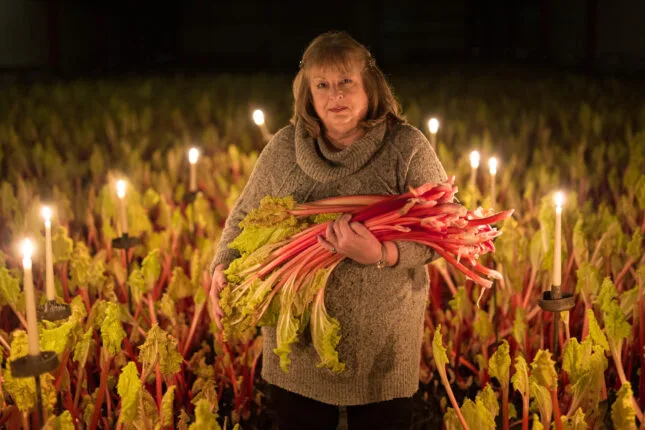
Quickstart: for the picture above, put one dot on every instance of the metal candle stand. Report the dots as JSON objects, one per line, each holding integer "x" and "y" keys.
{"x": 35, "y": 365}
{"x": 53, "y": 311}
{"x": 556, "y": 301}
{"x": 126, "y": 242}
{"x": 190, "y": 197}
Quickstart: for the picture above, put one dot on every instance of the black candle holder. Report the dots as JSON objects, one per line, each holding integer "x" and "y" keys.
{"x": 556, "y": 301}
{"x": 53, "y": 311}
{"x": 126, "y": 242}
{"x": 33, "y": 366}
{"x": 190, "y": 197}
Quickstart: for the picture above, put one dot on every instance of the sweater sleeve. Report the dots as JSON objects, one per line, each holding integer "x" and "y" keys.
{"x": 423, "y": 167}
{"x": 257, "y": 187}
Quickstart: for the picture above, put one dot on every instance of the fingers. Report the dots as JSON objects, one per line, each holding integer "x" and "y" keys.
{"x": 327, "y": 244}
{"x": 360, "y": 229}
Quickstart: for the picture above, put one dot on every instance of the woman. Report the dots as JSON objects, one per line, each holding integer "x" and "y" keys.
{"x": 347, "y": 137}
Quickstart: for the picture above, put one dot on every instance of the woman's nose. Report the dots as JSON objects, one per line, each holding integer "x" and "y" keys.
{"x": 337, "y": 92}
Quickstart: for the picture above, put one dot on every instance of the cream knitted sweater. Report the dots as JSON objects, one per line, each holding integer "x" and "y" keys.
{"x": 381, "y": 311}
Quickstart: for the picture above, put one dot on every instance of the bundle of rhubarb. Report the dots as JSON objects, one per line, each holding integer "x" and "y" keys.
{"x": 281, "y": 275}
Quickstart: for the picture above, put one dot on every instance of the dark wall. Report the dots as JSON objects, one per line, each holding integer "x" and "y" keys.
{"x": 79, "y": 38}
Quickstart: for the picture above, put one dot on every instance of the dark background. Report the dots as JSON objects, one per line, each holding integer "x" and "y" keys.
{"x": 42, "y": 39}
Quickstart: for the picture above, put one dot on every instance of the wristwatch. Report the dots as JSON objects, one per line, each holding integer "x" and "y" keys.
{"x": 383, "y": 261}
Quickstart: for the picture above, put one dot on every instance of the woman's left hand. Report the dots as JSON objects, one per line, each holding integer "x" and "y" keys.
{"x": 352, "y": 240}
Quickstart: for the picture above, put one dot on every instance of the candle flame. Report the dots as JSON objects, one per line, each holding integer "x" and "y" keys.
{"x": 193, "y": 155}
{"x": 46, "y": 212}
{"x": 433, "y": 125}
{"x": 27, "y": 250}
{"x": 258, "y": 117}
{"x": 492, "y": 165}
{"x": 120, "y": 188}
{"x": 474, "y": 159}
{"x": 558, "y": 198}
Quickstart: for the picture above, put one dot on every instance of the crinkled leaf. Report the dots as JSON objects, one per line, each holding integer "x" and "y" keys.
{"x": 167, "y": 410}
{"x": 55, "y": 338}
{"x": 60, "y": 422}
{"x": 129, "y": 389}
{"x": 499, "y": 364}
{"x": 623, "y": 415}
{"x": 635, "y": 246}
{"x": 180, "y": 285}
{"x": 483, "y": 326}
{"x": 542, "y": 399}
{"x": 616, "y": 325}
{"x": 112, "y": 333}
{"x": 520, "y": 378}
{"x": 151, "y": 268}
{"x": 519, "y": 327}
{"x": 160, "y": 347}
{"x": 438, "y": 351}
{"x": 477, "y": 416}
{"x": 489, "y": 399}
{"x": 607, "y": 294}
{"x": 82, "y": 346}
{"x": 595, "y": 332}
{"x": 325, "y": 334}
{"x": 137, "y": 285}
{"x": 588, "y": 281}
{"x": 461, "y": 305}
{"x": 543, "y": 369}
{"x": 204, "y": 418}
{"x": 580, "y": 245}
{"x": 62, "y": 245}
{"x": 9, "y": 287}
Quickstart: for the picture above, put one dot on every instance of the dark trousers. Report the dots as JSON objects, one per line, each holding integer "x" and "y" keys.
{"x": 295, "y": 412}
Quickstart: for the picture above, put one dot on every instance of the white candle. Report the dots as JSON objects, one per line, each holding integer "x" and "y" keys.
{"x": 258, "y": 119}
{"x": 492, "y": 165}
{"x": 474, "y": 164}
{"x": 30, "y": 299}
{"x": 49, "y": 261}
{"x": 120, "y": 192}
{"x": 433, "y": 125}
{"x": 557, "y": 246}
{"x": 193, "y": 156}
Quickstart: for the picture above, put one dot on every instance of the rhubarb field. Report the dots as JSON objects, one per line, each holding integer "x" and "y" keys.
{"x": 145, "y": 345}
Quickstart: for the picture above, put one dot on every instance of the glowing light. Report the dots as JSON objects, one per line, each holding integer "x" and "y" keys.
{"x": 258, "y": 117}
{"x": 492, "y": 165}
{"x": 193, "y": 155}
{"x": 474, "y": 159}
{"x": 433, "y": 125}
{"x": 120, "y": 188}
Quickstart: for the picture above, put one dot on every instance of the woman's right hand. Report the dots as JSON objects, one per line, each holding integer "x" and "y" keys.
{"x": 218, "y": 282}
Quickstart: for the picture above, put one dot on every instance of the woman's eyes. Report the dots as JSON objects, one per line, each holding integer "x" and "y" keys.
{"x": 345, "y": 81}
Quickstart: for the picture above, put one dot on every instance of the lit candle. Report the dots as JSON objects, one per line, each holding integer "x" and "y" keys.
{"x": 474, "y": 164}
{"x": 30, "y": 299}
{"x": 557, "y": 246}
{"x": 258, "y": 119}
{"x": 492, "y": 165}
{"x": 49, "y": 261}
{"x": 193, "y": 155}
{"x": 120, "y": 192}
{"x": 433, "y": 125}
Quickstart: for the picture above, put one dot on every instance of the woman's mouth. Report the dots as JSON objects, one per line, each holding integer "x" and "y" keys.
{"x": 338, "y": 109}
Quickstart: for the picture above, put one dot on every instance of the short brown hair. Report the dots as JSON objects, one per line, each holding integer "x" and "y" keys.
{"x": 338, "y": 50}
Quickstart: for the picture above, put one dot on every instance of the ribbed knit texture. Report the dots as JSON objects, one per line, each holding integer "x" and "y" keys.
{"x": 381, "y": 311}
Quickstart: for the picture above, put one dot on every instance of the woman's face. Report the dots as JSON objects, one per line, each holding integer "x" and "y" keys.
{"x": 339, "y": 98}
